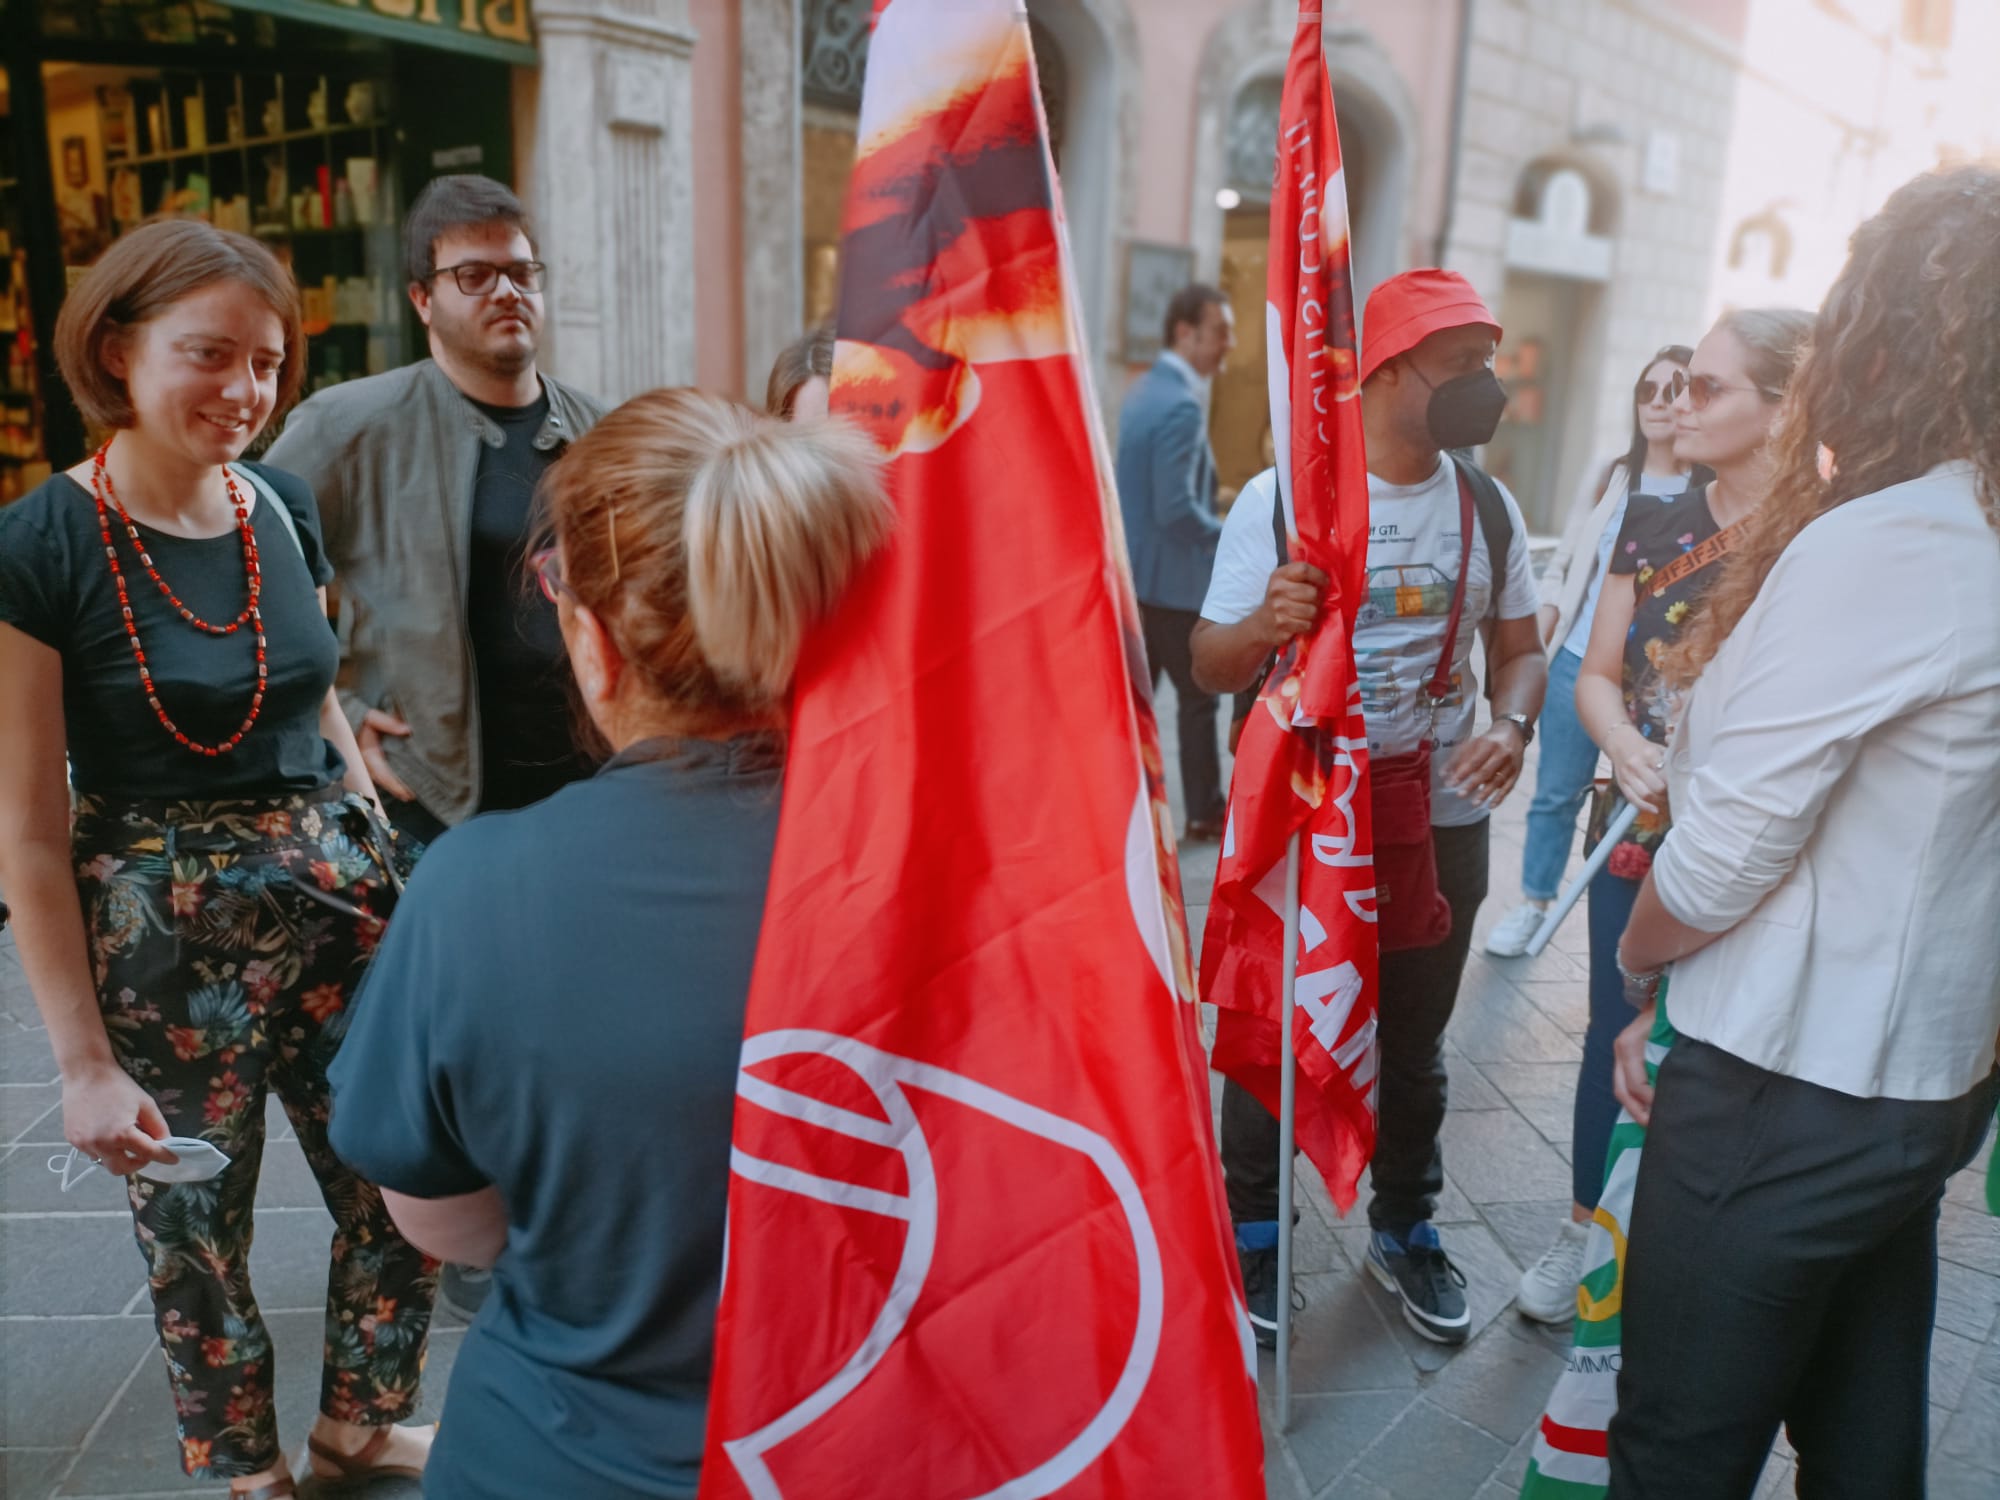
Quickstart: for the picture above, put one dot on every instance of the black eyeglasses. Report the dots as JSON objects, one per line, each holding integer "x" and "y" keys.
{"x": 476, "y": 278}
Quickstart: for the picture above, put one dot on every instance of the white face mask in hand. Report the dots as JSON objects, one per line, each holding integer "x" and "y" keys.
{"x": 198, "y": 1161}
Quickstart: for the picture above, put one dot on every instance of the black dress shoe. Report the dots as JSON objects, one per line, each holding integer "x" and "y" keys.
{"x": 1203, "y": 830}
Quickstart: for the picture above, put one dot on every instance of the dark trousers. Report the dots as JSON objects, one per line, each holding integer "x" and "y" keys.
{"x": 1419, "y": 988}
{"x": 1167, "y": 650}
{"x": 1782, "y": 1268}
{"x": 1611, "y": 900}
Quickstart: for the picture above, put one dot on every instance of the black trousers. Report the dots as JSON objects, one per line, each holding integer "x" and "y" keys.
{"x": 1782, "y": 1268}
{"x": 1167, "y": 650}
{"x": 1419, "y": 990}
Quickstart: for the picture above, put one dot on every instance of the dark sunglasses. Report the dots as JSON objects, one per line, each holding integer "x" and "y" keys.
{"x": 548, "y": 573}
{"x": 1702, "y": 389}
{"x": 476, "y": 278}
{"x": 1646, "y": 391}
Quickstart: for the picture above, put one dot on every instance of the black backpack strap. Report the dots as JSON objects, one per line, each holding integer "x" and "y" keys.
{"x": 1494, "y": 521}
{"x": 1247, "y": 699}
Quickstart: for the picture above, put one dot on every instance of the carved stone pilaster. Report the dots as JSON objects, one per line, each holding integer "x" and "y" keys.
{"x": 773, "y": 190}
{"x": 613, "y": 183}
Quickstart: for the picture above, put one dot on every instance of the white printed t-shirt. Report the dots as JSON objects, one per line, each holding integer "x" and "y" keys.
{"x": 1414, "y": 548}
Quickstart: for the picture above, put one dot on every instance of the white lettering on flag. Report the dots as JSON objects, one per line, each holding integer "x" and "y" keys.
{"x": 1328, "y": 997}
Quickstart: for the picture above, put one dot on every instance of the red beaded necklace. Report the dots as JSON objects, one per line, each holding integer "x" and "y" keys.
{"x": 107, "y": 501}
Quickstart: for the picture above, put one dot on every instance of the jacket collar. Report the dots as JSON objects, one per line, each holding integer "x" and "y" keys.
{"x": 1177, "y": 366}
{"x": 566, "y": 421}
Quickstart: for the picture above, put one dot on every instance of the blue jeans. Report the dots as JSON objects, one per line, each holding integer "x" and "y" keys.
{"x": 1611, "y": 900}
{"x": 1569, "y": 760}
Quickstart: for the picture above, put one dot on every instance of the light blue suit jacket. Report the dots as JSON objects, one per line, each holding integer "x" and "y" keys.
{"x": 1166, "y": 486}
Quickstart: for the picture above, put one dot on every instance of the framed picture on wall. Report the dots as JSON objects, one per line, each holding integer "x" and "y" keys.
{"x": 1153, "y": 273}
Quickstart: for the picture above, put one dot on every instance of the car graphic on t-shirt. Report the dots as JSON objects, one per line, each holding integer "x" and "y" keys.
{"x": 1403, "y": 590}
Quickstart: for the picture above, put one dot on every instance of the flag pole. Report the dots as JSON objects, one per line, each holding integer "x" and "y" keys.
{"x": 1287, "y": 1131}
{"x": 1599, "y": 857}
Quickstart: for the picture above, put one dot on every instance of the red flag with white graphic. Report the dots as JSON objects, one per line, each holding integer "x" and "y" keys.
{"x": 1302, "y": 763}
{"x": 977, "y": 1244}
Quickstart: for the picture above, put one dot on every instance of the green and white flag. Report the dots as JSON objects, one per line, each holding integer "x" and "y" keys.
{"x": 1568, "y": 1462}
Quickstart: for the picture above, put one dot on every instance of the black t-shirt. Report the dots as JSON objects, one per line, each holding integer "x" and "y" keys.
{"x": 527, "y": 747}
{"x": 56, "y": 586}
{"x": 1655, "y": 533}
{"x": 557, "y": 1013}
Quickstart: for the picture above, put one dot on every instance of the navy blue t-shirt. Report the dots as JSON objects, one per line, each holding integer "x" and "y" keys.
{"x": 56, "y": 586}
{"x": 556, "y": 1011}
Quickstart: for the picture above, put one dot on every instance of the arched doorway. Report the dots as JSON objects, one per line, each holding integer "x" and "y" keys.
{"x": 1239, "y": 416}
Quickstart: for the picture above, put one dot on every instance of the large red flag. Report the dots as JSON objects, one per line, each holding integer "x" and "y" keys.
{"x": 1302, "y": 763}
{"x": 977, "y": 1246}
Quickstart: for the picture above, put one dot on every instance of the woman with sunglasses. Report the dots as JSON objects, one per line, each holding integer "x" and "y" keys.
{"x": 542, "y": 1067}
{"x": 1571, "y": 585}
{"x": 195, "y": 917}
{"x": 1828, "y": 898}
{"x": 1660, "y": 564}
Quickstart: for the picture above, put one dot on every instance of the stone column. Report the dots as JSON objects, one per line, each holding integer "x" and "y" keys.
{"x": 774, "y": 293}
{"x": 613, "y": 186}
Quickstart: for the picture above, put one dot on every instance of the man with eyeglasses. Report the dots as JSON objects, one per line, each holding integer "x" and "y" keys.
{"x": 454, "y": 676}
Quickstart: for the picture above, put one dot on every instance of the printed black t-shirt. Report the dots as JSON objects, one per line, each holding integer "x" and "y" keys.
{"x": 1655, "y": 533}
{"x": 56, "y": 586}
{"x": 556, "y": 1012}
{"x": 527, "y": 746}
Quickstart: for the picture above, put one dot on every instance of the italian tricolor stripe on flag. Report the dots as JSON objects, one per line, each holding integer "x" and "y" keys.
{"x": 1568, "y": 1461}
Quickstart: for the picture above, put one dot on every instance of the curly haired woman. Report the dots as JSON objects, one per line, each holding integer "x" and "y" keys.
{"x": 1828, "y": 898}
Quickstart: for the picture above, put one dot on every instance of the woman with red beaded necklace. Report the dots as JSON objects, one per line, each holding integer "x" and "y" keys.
{"x": 198, "y": 898}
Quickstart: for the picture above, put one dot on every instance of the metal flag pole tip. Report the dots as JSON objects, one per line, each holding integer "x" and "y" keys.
{"x": 1287, "y": 1133}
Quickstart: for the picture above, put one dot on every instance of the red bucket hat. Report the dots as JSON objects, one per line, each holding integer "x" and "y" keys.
{"x": 1407, "y": 309}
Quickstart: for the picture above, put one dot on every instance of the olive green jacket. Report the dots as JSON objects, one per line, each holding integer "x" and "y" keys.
{"x": 392, "y": 460}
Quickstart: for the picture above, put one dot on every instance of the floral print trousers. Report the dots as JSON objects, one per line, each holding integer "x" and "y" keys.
{"x": 226, "y": 940}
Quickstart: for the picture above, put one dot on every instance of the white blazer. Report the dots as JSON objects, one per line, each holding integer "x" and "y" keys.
{"x": 1835, "y": 784}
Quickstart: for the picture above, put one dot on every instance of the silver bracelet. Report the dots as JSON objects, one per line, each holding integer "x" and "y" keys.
{"x": 1641, "y": 986}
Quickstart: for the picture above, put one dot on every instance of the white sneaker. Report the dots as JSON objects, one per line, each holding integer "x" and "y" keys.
{"x": 1510, "y": 938}
{"x": 1548, "y": 1287}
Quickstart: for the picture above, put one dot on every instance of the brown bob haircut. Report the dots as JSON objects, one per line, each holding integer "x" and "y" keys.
{"x": 143, "y": 274}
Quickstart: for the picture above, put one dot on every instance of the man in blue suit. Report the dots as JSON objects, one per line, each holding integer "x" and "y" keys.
{"x": 1166, "y": 487}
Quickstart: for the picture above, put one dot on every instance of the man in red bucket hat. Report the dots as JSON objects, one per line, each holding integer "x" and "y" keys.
{"x": 1428, "y": 394}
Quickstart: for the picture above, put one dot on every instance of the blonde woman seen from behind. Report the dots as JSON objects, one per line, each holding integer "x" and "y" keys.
{"x": 542, "y": 1067}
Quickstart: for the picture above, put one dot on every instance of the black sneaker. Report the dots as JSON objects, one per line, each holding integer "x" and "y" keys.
{"x": 462, "y": 1289}
{"x": 1430, "y": 1287}
{"x": 1257, "y": 1253}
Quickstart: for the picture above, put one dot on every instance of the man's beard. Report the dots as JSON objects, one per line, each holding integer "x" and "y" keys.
{"x": 462, "y": 341}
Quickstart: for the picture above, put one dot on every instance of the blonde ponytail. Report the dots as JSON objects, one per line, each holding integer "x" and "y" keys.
{"x": 709, "y": 538}
{"x": 775, "y": 524}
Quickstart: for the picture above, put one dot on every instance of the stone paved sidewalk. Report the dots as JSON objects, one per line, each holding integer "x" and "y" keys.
{"x": 1379, "y": 1413}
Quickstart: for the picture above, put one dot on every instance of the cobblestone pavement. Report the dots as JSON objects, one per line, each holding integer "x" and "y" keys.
{"x": 1378, "y": 1412}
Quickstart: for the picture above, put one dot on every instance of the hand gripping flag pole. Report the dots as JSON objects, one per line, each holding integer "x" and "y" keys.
{"x": 1289, "y": 959}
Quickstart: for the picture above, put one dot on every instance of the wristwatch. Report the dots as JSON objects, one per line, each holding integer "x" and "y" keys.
{"x": 1521, "y": 722}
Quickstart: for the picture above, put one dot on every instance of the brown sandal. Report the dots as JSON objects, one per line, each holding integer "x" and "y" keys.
{"x": 277, "y": 1489}
{"x": 361, "y": 1463}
